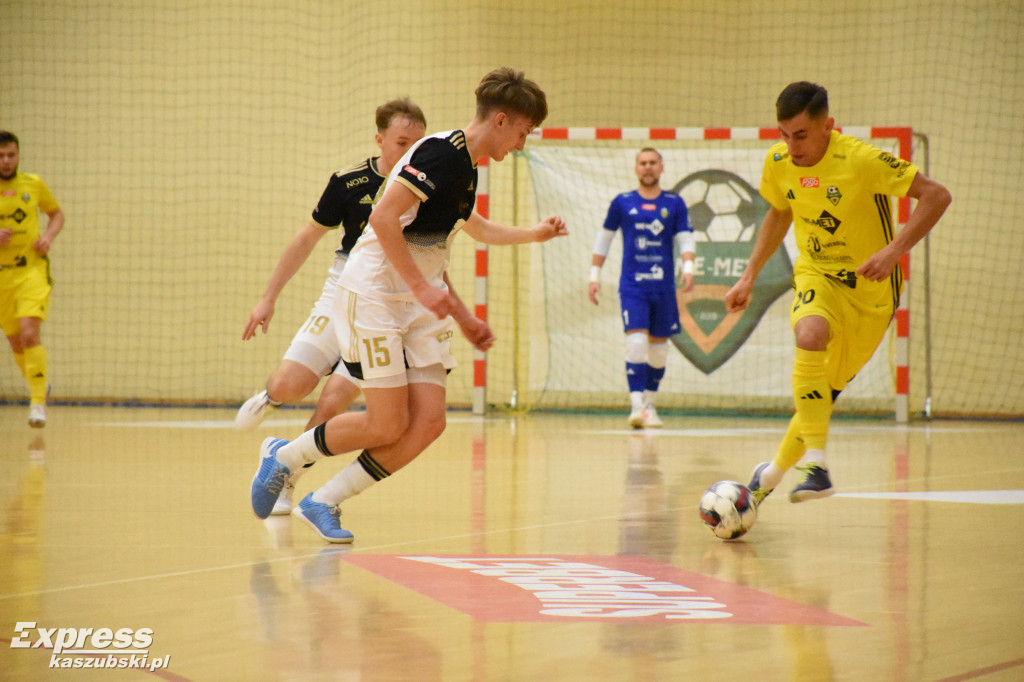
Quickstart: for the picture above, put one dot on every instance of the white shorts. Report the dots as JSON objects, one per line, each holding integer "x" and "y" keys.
{"x": 315, "y": 345}
{"x": 392, "y": 343}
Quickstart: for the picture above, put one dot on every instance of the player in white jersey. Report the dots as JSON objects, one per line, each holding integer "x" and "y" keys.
{"x": 346, "y": 202}
{"x": 395, "y": 311}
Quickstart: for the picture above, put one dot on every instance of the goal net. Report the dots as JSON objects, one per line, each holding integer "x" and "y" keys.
{"x": 571, "y": 353}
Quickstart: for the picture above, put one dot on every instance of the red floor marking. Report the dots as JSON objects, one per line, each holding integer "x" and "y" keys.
{"x": 587, "y": 588}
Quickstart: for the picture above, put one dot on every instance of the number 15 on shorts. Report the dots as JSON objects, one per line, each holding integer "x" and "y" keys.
{"x": 377, "y": 353}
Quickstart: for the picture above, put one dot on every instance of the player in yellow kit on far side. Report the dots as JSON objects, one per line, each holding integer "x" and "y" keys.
{"x": 835, "y": 190}
{"x": 25, "y": 269}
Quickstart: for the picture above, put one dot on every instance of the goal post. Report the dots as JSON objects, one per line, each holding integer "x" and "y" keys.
{"x": 570, "y": 354}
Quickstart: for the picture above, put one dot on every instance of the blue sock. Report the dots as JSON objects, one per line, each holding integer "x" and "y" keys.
{"x": 654, "y": 377}
{"x": 636, "y": 376}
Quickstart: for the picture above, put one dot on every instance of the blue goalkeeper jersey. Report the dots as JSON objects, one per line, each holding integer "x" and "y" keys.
{"x": 648, "y": 229}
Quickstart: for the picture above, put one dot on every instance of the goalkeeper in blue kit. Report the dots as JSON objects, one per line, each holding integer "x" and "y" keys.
{"x": 652, "y": 223}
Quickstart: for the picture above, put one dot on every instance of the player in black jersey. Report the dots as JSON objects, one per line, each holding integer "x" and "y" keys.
{"x": 346, "y": 202}
{"x": 394, "y": 310}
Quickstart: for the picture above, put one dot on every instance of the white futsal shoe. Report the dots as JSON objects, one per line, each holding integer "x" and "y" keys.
{"x": 284, "y": 500}
{"x": 37, "y": 415}
{"x": 651, "y": 418}
{"x": 254, "y": 411}
{"x": 636, "y": 418}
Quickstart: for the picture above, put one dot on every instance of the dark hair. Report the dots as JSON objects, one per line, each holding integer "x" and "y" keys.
{"x": 403, "y": 106}
{"x": 799, "y": 97}
{"x": 7, "y": 138}
{"x": 510, "y": 91}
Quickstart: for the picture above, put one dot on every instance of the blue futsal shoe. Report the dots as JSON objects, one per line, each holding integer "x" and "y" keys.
{"x": 324, "y": 519}
{"x": 270, "y": 478}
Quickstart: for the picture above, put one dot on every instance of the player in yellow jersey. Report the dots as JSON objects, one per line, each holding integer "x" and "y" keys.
{"x": 25, "y": 269}
{"x": 835, "y": 190}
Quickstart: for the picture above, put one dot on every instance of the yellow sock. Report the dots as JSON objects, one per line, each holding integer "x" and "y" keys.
{"x": 813, "y": 396}
{"x": 19, "y": 360}
{"x": 35, "y": 373}
{"x": 792, "y": 447}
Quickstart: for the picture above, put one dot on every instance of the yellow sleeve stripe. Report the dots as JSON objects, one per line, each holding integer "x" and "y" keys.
{"x": 412, "y": 188}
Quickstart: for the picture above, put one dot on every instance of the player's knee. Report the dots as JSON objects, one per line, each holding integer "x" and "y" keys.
{"x": 433, "y": 426}
{"x": 811, "y": 333}
{"x": 332, "y": 402}
{"x": 286, "y": 386}
{"x": 636, "y": 348}
{"x": 657, "y": 354}
{"x": 381, "y": 432}
{"x": 29, "y": 338}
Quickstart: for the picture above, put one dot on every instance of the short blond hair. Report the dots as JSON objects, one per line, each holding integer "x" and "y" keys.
{"x": 401, "y": 107}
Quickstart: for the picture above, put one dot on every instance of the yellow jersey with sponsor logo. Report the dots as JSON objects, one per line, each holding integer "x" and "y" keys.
{"x": 21, "y": 199}
{"x": 842, "y": 210}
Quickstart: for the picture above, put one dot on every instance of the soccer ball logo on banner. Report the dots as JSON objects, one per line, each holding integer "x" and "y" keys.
{"x": 726, "y": 213}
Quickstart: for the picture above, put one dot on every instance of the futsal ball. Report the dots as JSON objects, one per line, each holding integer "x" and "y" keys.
{"x": 722, "y": 206}
{"x": 728, "y": 509}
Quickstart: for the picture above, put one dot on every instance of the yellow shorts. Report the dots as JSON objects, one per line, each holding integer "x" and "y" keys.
{"x": 857, "y": 321}
{"x": 24, "y": 292}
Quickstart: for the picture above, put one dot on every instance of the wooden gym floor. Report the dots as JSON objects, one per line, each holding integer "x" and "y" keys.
{"x": 540, "y": 547}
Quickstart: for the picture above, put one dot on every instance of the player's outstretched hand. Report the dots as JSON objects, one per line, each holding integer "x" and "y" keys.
{"x": 738, "y": 298}
{"x": 549, "y": 228}
{"x": 259, "y": 317}
{"x": 593, "y": 289}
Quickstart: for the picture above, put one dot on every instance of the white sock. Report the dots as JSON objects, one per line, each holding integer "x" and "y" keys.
{"x": 649, "y": 397}
{"x": 300, "y": 451}
{"x": 771, "y": 476}
{"x": 813, "y": 457}
{"x": 352, "y": 480}
{"x": 636, "y": 400}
